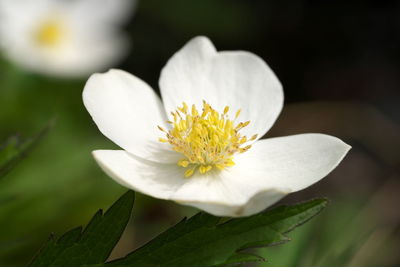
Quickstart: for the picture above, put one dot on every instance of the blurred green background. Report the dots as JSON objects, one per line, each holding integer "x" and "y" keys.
{"x": 339, "y": 64}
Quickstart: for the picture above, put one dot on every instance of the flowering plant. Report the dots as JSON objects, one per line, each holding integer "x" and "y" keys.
{"x": 63, "y": 38}
{"x": 201, "y": 146}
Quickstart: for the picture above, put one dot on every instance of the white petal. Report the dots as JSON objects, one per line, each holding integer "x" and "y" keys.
{"x": 89, "y": 44}
{"x": 274, "y": 168}
{"x": 76, "y": 59}
{"x": 219, "y": 193}
{"x": 293, "y": 162}
{"x": 24, "y": 9}
{"x": 111, "y": 11}
{"x": 85, "y": 56}
{"x": 238, "y": 79}
{"x": 256, "y": 204}
{"x": 159, "y": 180}
{"x": 127, "y": 111}
{"x": 269, "y": 170}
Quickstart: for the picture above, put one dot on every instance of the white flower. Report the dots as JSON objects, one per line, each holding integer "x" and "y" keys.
{"x": 200, "y": 157}
{"x": 63, "y": 38}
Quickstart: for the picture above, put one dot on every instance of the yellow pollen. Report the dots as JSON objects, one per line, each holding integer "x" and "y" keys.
{"x": 207, "y": 140}
{"x": 50, "y": 33}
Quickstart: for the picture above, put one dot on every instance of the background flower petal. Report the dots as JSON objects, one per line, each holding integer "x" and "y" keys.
{"x": 91, "y": 41}
{"x": 78, "y": 58}
{"x": 111, "y": 11}
{"x": 238, "y": 79}
{"x": 127, "y": 111}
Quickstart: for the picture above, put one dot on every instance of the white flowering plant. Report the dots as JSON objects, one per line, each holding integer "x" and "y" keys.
{"x": 68, "y": 39}
{"x": 201, "y": 146}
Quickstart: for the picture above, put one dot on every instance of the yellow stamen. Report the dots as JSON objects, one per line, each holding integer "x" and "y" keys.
{"x": 238, "y": 113}
{"x": 161, "y": 129}
{"x": 254, "y": 137}
{"x": 50, "y": 33}
{"x": 189, "y": 172}
{"x": 183, "y": 162}
{"x": 226, "y": 109}
{"x": 207, "y": 140}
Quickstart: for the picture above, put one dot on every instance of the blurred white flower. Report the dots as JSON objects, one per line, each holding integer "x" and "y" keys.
{"x": 193, "y": 148}
{"x": 61, "y": 37}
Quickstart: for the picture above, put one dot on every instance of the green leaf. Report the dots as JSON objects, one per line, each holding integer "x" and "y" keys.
{"x": 241, "y": 258}
{"x": 204, "y": 241}
{"x": 15, "y": 149}
{"x": 94, "y": 244}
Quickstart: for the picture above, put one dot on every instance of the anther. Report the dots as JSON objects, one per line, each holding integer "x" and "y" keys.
{"x": 207, "y": 141}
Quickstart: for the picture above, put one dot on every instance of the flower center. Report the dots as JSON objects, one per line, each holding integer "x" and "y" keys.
{"x": 207, "y": 140}
{"x": 50, "y": 33}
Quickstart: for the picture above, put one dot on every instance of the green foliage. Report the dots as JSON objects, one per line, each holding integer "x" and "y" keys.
{"x": 15, "y": 149}
{"x": 348, "y": 234}
{"x": 202, "y": 240}
{"x": 58, "y": 185}
{"x": 94, "y": 244}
